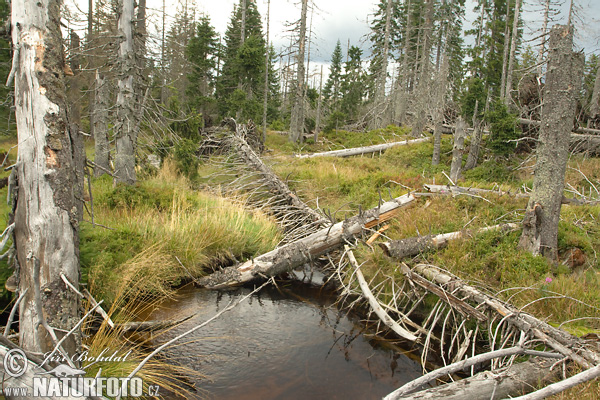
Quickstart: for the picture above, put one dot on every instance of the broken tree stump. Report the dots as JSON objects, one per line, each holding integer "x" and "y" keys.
{"x": 295, "y": 254}
{"x": 410, "y": 247}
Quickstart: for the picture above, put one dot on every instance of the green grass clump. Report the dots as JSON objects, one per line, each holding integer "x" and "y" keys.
{"x": 159, "y": 221}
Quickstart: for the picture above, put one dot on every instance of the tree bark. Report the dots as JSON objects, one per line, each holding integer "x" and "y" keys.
{"x": 305, "y": 250}
{"x": 411, "y": 247}
{"x": 475, "y": 141}
{"x": 319, "y": 107}
{"x": 511, "y": 58}
{"x": 542, "y": 49}
{"x": 594, "y": 106}
{"x": 50, "y": 180}
{"x": 362, "y": 150}
{"x": 457, "y": 150}
{"x": 439, "y": 110}
{"x": 267, "y": 64}
{"x": 424, "y": 82}
{"x": 297, "y": 119}
{"x": 125, "y": 124}
{"x": 565, "y": 67}
{"x": 506, "y": 49}
{"x": 100, "y": 121}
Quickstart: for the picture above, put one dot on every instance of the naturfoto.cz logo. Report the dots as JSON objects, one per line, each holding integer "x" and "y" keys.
{"x": 64, "y": 380}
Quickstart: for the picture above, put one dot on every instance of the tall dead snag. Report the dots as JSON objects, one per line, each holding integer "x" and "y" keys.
{"x": 50, "y": 182}
{"x": 475, "y": 140}
{"x": 125, "y": 125}
{"x": 100, "y": 126}
{"x": 307, "y": 249}
{"x": 297, "y": 119}
{"x": 565, "y": 67}
{"x": 457, "y": 150}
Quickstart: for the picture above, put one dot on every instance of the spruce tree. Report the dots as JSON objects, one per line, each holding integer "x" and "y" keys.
{"x": 352, "y": 86}
{"x": 331, "y": 91}
{"x": 201, "y": 53}
{"x": 240, "y": 85}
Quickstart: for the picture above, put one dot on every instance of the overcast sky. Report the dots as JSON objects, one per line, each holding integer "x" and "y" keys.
{"x": 350, "y": 19}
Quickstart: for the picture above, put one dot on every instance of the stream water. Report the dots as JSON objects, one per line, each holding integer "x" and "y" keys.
{"x": 281, "y": 344}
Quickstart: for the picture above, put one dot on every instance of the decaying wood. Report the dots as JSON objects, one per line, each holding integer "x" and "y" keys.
{"x": 375, "y": 306}
{"x": 356, "y": 151}
{"x": 560, "y": 341}
{"x": 579, "y": 129}
{"x": 563, "y": 385}
{"x": 458, "y": 150}
{"x": 412, "y": 246}
{"x": 492, "y": 385}
{"x": 150, "y": 326}
{"x": 295, "y": 254}
{"x": 563, "y": 80}
{"x": 49, "y": 173}
{"x": 462, "y": 307}
{"x": 459, "y": 190}
{"x": 415, "y": 384}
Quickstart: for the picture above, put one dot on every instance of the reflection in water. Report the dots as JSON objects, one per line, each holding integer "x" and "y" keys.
{"x": 277, "y": 345}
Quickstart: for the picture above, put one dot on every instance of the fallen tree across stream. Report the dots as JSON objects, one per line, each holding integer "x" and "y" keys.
{"x": 357, "y": 151}
{"x": 307, "y": 249}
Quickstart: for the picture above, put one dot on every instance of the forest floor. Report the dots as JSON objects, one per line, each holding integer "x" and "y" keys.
{"x": 164, "y": 231}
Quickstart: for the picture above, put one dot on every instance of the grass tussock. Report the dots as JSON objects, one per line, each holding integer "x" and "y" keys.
{"x": 163, "y": 233}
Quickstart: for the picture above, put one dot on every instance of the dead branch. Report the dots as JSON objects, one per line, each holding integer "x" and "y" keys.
{"x": 362, "y": 150}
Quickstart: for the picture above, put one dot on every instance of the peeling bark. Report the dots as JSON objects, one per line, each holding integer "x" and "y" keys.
{"x": 50, "y": 179}
{"x": 565, "y": 67}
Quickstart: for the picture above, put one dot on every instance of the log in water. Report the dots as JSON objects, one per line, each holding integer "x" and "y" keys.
{"x": 288, "y": 345}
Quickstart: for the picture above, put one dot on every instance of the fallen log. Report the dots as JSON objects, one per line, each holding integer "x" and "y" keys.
{"x": 356, "y": 151}
{"x": 375, "y": 306}
{"x": 563, "y": 385}
{"x": 150, "y": 326}
{"x": 295, "y": 254}
{"x": 416, "y": 245}
{"x": 276, "y": 185}
{"x": 492, "y": 385}
{"x": 415, "y": 384}
{"x": 459, "y": 190}
{"x": 561, "y": 341}
{"x": 579, "y": 129}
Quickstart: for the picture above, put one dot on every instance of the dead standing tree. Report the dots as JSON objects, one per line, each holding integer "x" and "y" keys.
{"x": 565, "y": 67}
{"x": 297, "y": 119}
{"x": 50, "y": 184}
{"x": 125, "y": 125}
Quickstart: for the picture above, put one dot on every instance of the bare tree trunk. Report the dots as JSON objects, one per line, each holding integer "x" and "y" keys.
{"x": 73, "y": 81}
{"x": 50, "y": 180}
{"x": 458, "y": 150}
{"x": 595, "y": 95}
{"x": 506, "y": 48}
{"x": 297, "y": 120}
{"x": 563, "y": 80}
{"x": 100, "y": 119}
{"x": 379, "y": 119}
{"x": 424, "y": 83}
{"x": 475, "y": 140}
{"x": 402, "y": 84}
{"x": 140, "y": 58}
{"x": 125, "y": 125}
{"x": 319, "y": 107}
{"x": 267, "y": 64}
{"x": 90, "y": 63}
{"x": 439, "y": 111}
{"x": 163, "y": 88}
{"x": 542, "y": 50}
{"x": 511, "y": 58}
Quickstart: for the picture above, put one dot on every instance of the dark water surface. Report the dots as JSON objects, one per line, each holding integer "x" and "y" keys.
{"x": 288, "y": 344}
